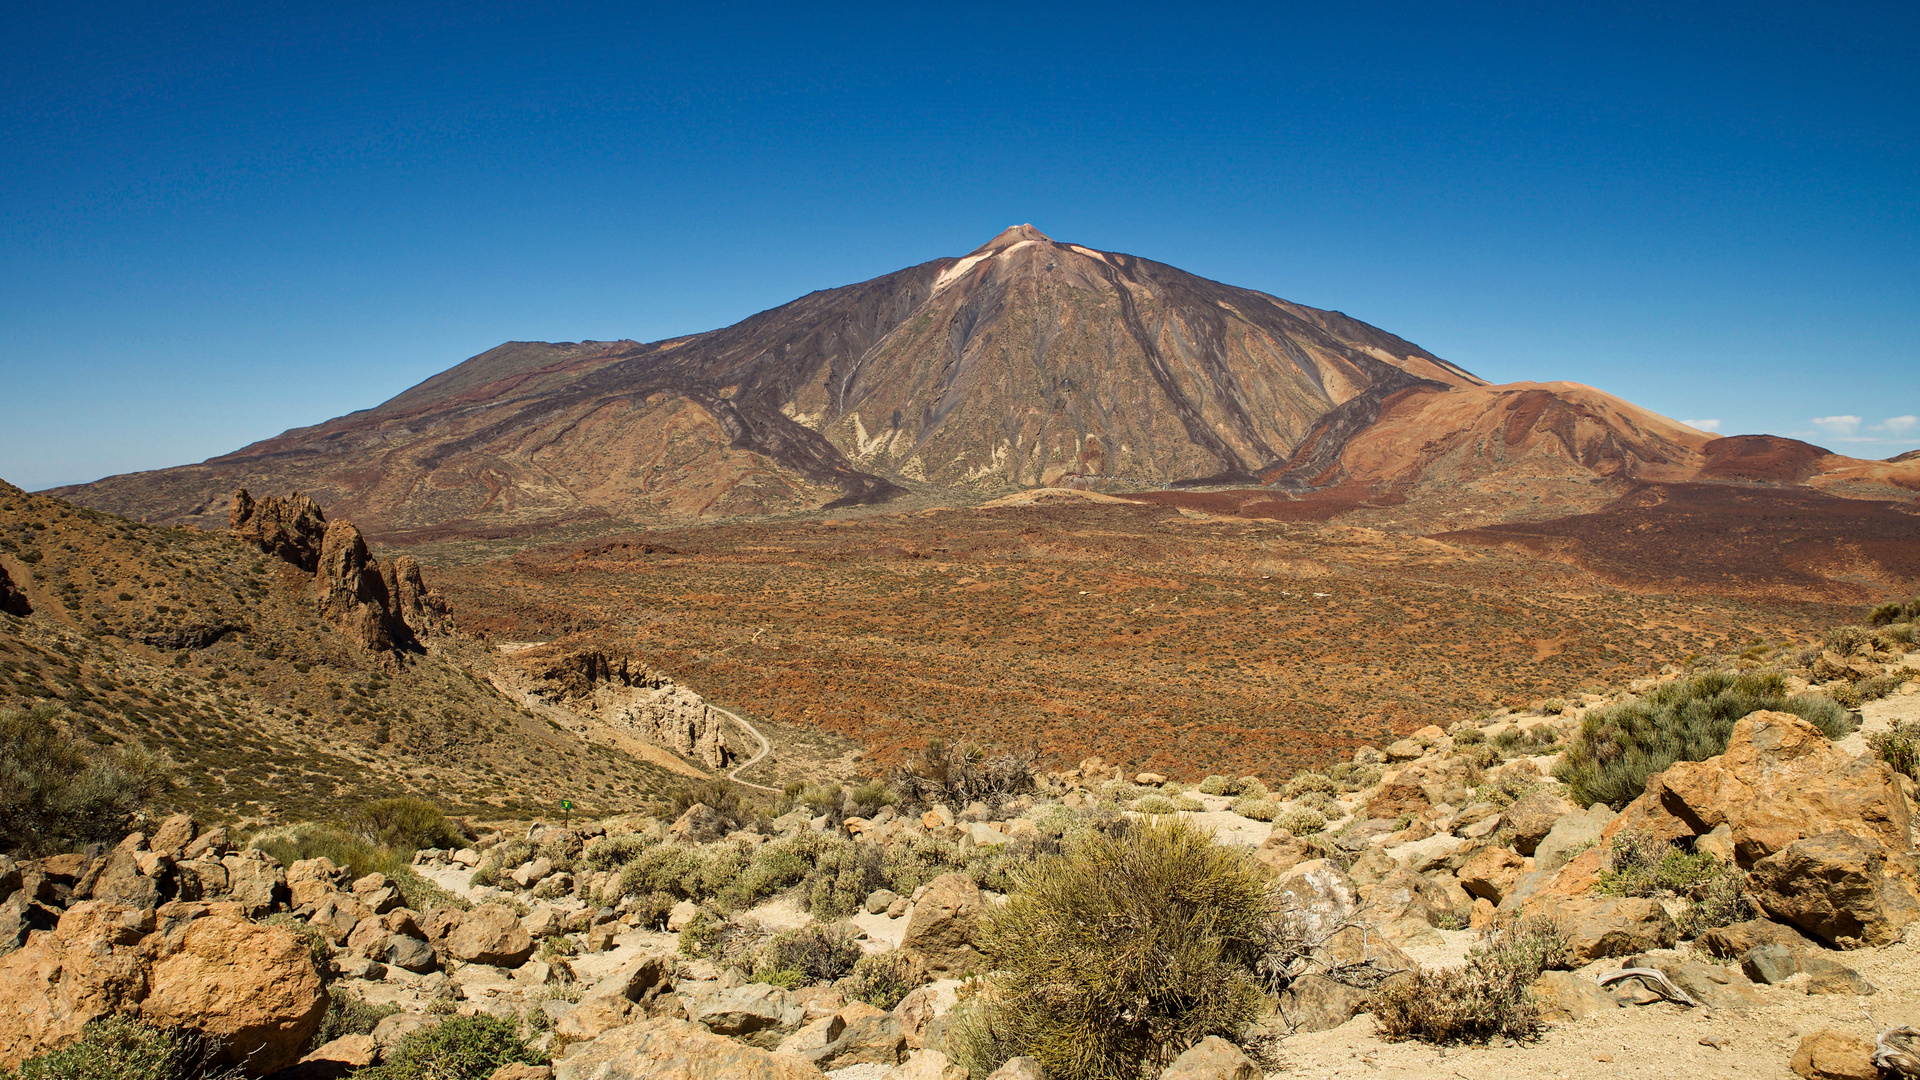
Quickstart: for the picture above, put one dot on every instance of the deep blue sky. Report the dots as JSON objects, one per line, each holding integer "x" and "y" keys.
{"x": 221, "y": 221}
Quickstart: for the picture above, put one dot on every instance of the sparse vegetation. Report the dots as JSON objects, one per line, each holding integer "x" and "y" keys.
{"x": 1715, "y": 891}
{"x": 962, "y": 774}
{"x": 405, "y": 823}
{"x": 1490, "y": 997}
{"x": 349, "y": 1014}
{"x": 882, "y": 980}
{"x": 1300, "y": 821}
{"x": 58, "y": 791}
{"x": 817, "y": 954}
{"x": 1899, "y": 747}
{"x": 457, "y": 1048}
{"x": 1618, "y": 747}
{"x": 121, "y": 1048}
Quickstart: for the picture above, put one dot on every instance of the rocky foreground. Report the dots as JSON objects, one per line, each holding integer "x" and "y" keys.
{"x": 597, "y": 942}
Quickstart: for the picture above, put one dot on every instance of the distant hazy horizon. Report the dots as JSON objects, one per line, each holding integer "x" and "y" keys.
{"x": 221, "y": 223}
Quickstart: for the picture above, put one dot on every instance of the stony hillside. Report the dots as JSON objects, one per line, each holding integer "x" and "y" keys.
{"x": 286, "y": 671}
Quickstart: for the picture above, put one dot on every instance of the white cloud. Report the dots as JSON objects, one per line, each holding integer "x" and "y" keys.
{"x": 1841, "y": 426}
{"x": 1703, "y": 425}
{"x": 1898, "y": 425}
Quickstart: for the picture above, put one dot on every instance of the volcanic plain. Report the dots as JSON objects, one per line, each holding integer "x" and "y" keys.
{"x": 1074, "y": 624}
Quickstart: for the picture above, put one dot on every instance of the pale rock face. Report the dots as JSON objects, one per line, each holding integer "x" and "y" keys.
{"x": 676, "y": 1048}
{"x": 941, "y": 930}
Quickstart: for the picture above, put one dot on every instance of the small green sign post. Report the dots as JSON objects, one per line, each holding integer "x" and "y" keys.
{"x": 566, "y": 813}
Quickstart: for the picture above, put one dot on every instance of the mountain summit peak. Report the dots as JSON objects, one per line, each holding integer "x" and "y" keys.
{"x": 1010, "y": 236}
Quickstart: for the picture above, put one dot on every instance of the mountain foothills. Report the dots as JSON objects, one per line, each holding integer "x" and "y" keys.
{"x": 1026, "y": 362}
{"x": 282, "y": 668}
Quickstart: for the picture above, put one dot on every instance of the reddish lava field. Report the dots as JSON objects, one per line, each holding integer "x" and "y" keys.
{"x": 1152, "y": 635}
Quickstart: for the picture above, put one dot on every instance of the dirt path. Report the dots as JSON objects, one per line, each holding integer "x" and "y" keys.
{"x": 766, "y": 748}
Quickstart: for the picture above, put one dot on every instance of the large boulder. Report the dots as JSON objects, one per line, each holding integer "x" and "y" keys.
{"x": 1320, "y": 1002}
{"x": 1834, "y": 1055}
{"x": 1533, "y": 816}
{"x": 746, "y": 1010}
{"x": 666, "y": 1049}
{"x": 1317, "y": 897}
{"x": 1571, "y": 834}
{"x": 1781, "y": 780}
{"x": 1844, "y": 889}
{"x": 945, "y": 924}
{"x": 252, "y": 987}
{"x": 1492, "y": 873}
{"x": 1600, "y": 926}
{"x": 490, "y": 934}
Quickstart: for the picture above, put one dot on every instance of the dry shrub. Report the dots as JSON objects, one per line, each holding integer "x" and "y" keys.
{"x": 1124, "y": 952}
{"x": 816, "y": 953}
{"x": 1490, "y": 997}
{"x": 960, "y": 775}
{"x": 882, "y": 980}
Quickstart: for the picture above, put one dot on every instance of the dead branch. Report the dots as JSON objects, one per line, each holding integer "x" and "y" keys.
{"x": 1654, "y": 979}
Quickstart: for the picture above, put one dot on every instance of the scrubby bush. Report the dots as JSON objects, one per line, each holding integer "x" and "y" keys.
{"x": 1894, "y": 637}
{"x": 960, "y": 775}
{"x": 457, "y": 1048}
{"x": 727, "y": 942}
{"x": 1641, "y": 865}
{"x": 916, "y": 859}
{"x": 1257, "y": 808}
{"x": 818, "y": 953}
{"x": 1001, "y": 868}
{"x": 1886, "y": 614}
{"x": 1054, "y": 819}
{"x": 673, "y": 869}
{"x": 1900, "y": 747}
{"x": 348, "y": 1014}
{"x": 842, "y": 876}
{"x": 1114, "y": 958}
{"x": 1618, "y": 747}
{"x": 1352, "y": 777}
{"x": 731, "y": 810}
{"x": 1155, "y": 804}
{"x": 775, "y": 867}
{"x": 1250, "y": 786}
{"x": 1467, "y": 733}
{"x": 120, "y": 1048}
{"x": 1490, "y": 997}
{"x": 612, "y": 852}
{"x": 1871, "y": 688}
{"x": 1216, "y": 785}
{"x": 882, "y": 980}
{"x": 1553, "y": 706}
{"x": 1300, "y": 821}
{"x": 1849, "y": 640}
{"x": 404, "y": 823}
{"x": 868, "y": 798}
{"x": 59, "y": 791}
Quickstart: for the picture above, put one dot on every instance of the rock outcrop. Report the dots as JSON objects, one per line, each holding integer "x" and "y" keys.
{"x": 12, "y": 600}
{"x": 611, "y": 685}
{"x": 198, "y": 966}
{"x": 676, "y": 1048}
{"x": 383, "y": 606}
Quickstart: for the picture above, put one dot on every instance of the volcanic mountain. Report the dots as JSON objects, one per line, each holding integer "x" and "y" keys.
{"x": 1025, "y": 362}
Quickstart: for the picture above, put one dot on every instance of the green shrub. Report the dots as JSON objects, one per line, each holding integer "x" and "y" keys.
{"x": 1258, "y": 808}
{"x": 1887, "y": 613}
{"x": 612, "y": 852}
{"x": 59, "y": 791}
{"x": 1156, "y": 804}
{"x": 916, "y": 859}
{"x": 1619, "y": 746}
{"x": 869, "y": 797}
{"x": 1467, "y": 733}
{"x": 1251, "y": 785}
{"x": 330, "y": 842}
{"x": 777, "y": 866}
{"x": 1900, "y": 747}
{"x": 1055, "y": 819}
{"x": 457, "y": 1048}
{"x": 816, "y": 953}
{"x": 1126, "y": 951}
{"x": 673, "y": 869}
{"x": 727, "y": 942}
{"x": 405, "y": 823}
{"x": 1899, "y": 635}
{"x": 1216, "y": 785}
{"x": 1553, "y": 706}
{"x": 348, "y": 1014}
{"x": 724, "y": 797}
{"x": 842, "y": 876}
{"x": 1715, "y": 891}
{"x": 1351, "y": 777}
{"x": 1490, "y": 997}
{"x": 1300, "y": 821}
{"x": 119, "y": 1048}
{"x": 882, "y": 980}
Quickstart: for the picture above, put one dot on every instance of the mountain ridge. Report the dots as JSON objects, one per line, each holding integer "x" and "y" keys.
{"x": 1026, "y": 362}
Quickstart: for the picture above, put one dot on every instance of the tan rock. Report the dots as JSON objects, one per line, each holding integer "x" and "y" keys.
{"x": 1567, "y": 996}
{"x": 1600, "y": 926}
{"x": 1018, "y": 1068}
{"x": 676, "y": 1049}
{"x": 1212, "y": 1058}
{"x": 1491, "y": 873}
{"x": 942, "y": 930}
{"x": 253, "y": 987}
{"x": 490, "y": 934}
{"x": 927, "y": 1065}
{"x": 1781, "y": 780}
{"x": 174, "y": 834}
{"x": 1317, "y": 896}
{"x": 1834, "y": 1055}
{"x": 1533, "y": 816}
{"x": 1844, "y": 889}
{"x": 1319, "y": 1003}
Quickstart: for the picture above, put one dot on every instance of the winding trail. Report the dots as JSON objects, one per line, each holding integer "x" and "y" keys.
{"x": 765, "y": 749}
